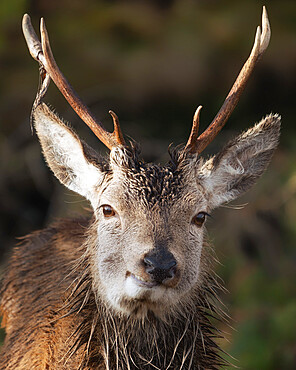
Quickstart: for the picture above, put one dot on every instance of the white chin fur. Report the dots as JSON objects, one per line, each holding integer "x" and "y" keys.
{"x": 132, "y": 292}
{"x": 132, "y": 289}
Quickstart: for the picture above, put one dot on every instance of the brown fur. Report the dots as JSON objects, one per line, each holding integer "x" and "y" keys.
{"x": 55, "y": 322}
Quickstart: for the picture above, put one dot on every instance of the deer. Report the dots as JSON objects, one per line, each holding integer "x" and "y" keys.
{"x": 133, "y": 285}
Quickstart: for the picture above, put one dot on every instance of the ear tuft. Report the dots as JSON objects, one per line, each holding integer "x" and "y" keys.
{"x": 237, "y": 167}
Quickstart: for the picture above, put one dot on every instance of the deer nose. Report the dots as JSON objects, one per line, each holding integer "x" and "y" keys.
{"x": 161, "y": 265}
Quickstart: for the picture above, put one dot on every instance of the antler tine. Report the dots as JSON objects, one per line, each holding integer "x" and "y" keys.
{"x": 34, "y": 45}
{"x": 195, "y": 126}
{"x": 117, "y": 131}
{"x": 41, "y": 51}
{"x": 260, "y": 45}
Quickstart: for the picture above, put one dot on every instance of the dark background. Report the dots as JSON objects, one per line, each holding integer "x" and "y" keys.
{"x": 153, "y": 63}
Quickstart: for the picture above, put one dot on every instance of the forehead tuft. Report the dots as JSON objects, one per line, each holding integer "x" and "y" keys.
{"x": 151, "y": 182}
{"x": 154, "y": 183}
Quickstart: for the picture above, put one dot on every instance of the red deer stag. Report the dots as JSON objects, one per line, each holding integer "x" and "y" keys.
{"x": 132, "y": 287}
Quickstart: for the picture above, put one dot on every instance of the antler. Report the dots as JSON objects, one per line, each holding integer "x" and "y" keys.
{"x": 41, "y": 51}
{"x": 196, "y": 144}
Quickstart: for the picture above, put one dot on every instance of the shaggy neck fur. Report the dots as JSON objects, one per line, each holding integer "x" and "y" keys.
{"x": 183, "y": 339}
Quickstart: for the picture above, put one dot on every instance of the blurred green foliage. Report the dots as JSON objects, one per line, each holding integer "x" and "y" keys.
{"x": 153, "y": 62}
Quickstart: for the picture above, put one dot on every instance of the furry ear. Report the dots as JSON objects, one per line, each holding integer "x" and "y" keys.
{"x": 236, "y": 168}
{"x": 66, "y": 155}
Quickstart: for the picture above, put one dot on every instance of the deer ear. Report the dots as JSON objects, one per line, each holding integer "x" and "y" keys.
{"x": 66, "y": 154}
{"x": 237, "y": 167}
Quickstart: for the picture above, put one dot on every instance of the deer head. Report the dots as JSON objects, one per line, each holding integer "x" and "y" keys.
{"x": 147, "y": 242}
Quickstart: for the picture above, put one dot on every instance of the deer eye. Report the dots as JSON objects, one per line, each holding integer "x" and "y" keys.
{"x": 108, "y": 211}
{"x": 199, "y": 219}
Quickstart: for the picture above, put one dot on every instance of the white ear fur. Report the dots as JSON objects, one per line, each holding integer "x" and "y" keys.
{"x": 237, "y": 167}
{"x": 64, "y": 153}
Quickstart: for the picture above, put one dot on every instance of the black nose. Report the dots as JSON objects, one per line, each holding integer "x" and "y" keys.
{"x": 160, "y": 264}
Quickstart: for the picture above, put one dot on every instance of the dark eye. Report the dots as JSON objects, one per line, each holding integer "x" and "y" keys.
{"x": 108, "y": 211}
{"x": 199, "y": 219}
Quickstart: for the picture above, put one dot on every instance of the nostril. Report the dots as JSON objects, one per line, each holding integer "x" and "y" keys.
{"x": 172, "y": 270}
{"x": 171, "y": 265}
{"x": 148, "y": 262}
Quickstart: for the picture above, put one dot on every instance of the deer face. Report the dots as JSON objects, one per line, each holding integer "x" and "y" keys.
{"x": 148, "y": 252}
{"x": 150, "y": 226}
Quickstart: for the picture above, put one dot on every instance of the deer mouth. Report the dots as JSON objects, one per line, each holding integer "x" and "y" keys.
{"x": 141, "y": 295}
{"x": 140, "y": 282}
